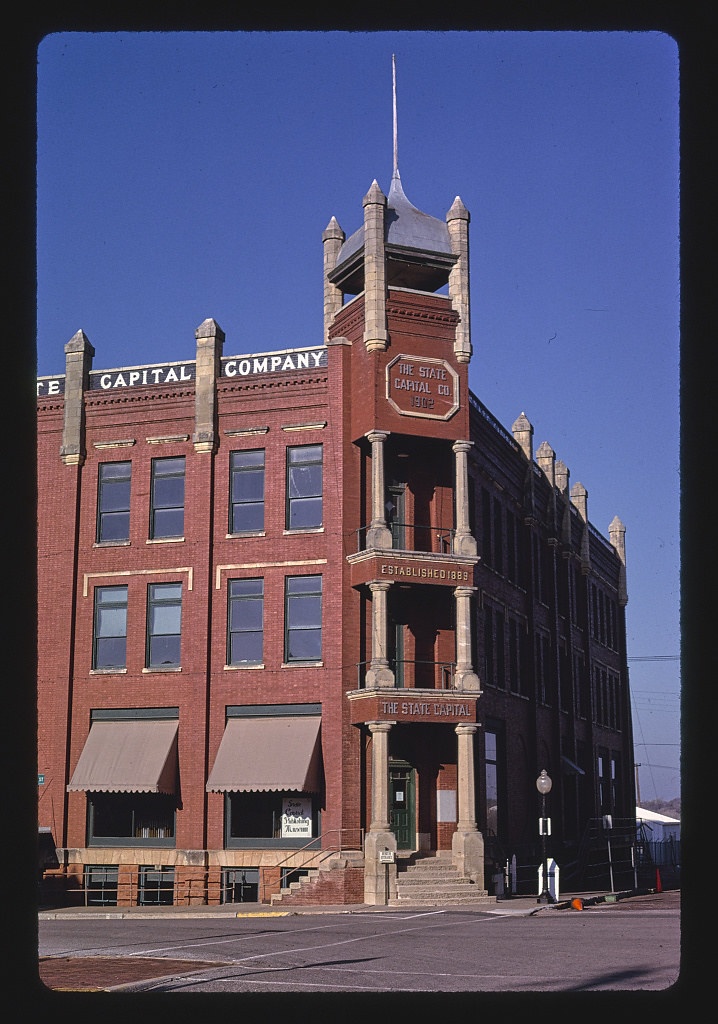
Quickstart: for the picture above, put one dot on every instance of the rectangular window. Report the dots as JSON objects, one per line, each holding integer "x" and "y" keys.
{"x": 246, "y": 487}
{"x": 489, "y": 649}
{"x": 131, "y": 819}
{"x": 245, "y": 632}
{"x": 543, "y": 668}
{"x": 304, "y": 487}
{"x": 491, "y": 791}
{"x": 167, "y": 499}
{"x": 156, "y": 885}
{"x": 240, "y": 885}
{"x": 499, "y": 622}
{"x": 164, "y": 617}
{"x": 511, "y": 553}
{"x": 498, "y": 536}
{"x": 109, "y": 645}
{"x": 254, "y": 817}
{"x": 495, "y": 801}
{"x": 486, "y": 534}
{"x": 303, "y": 618}
{"x": 100, "y": 884}
{"x": 113, "y": 501}
{"x": 514, "y": 655}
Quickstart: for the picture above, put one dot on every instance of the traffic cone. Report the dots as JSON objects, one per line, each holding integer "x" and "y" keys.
{"x": 659, "y": 887}
{"x": 577, "y": 903}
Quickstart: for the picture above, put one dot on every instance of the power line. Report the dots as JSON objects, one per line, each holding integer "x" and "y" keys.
{"x": 654, "y": 657}
{"x": 657, "y": 744}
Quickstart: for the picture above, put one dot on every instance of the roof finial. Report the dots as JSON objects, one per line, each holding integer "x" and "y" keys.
{"x": 395, "y": 173}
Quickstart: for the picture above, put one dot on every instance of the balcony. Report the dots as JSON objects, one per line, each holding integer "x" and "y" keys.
{"x": 414, "y": 675}
{"x": 436, "y": 540}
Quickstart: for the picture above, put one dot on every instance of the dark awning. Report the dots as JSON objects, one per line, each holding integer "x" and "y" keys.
{"x": 268, "y": 754}
{"x": 128, "y": 756}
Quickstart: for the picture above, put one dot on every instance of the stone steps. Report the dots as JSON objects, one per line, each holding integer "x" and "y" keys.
{"x": 435, "y": 882}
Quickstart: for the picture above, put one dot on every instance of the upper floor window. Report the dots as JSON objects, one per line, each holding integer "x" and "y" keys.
{"x": 113, "y": 501}
{"x": 303, "y": 618}
{"x": 245, "y": 634}
{"x": 167, "y": 498}
{"x": 109, "y": 642}
{"x": 246, "y": 511}
{"x": 304, "y": 487}
{"x": 164, "y": 620}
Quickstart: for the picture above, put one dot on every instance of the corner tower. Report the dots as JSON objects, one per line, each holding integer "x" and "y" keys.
{"x": 396, "y": 301}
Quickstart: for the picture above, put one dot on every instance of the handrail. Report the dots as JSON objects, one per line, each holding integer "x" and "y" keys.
{"x": 442, "y": 535}
{"x": 320, "y": 850}
{"x": 446, "y": 670}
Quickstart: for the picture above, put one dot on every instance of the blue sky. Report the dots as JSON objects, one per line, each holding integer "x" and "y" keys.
{"x": 189, "y": 175}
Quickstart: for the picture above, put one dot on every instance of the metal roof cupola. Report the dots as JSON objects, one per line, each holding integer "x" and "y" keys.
{"x": 401, "y": 246}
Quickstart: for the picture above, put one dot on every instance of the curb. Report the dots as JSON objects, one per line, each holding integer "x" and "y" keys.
{"x": 578, "y": 903}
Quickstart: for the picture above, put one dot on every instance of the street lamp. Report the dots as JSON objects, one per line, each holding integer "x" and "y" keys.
{"x": 543, "y": 785}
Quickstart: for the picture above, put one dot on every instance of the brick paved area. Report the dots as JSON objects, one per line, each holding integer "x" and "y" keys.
{"x": 97, "y": 973}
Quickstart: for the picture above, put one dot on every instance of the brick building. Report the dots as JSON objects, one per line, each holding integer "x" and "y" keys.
{"x": 317, "y": 609}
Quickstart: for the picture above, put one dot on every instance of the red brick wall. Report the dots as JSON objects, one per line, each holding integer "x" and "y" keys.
{"x": 329, "y": 888}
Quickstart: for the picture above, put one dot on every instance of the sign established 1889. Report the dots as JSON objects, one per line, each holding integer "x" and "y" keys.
{"x": 421, "y": 386}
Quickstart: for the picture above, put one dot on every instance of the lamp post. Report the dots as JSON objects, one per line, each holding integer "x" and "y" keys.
{"x": 543, "y": 785}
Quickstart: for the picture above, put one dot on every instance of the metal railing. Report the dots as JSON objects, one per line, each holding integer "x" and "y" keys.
{"x": 434, "y": 540}
{"x": 318, "y": 855}
{"x": 414, "y": 675}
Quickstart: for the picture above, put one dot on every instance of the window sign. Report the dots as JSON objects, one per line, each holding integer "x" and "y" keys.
{"x": 296, "y": 817}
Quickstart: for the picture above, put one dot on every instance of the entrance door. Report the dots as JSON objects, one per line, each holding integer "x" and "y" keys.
{"x": 401, "y": 805}
{"x": 395, "y": 514}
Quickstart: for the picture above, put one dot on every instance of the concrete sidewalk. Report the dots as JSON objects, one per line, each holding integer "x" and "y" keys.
{"x": 519, "y": 905}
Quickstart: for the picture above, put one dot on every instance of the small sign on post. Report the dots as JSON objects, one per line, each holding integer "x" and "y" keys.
{"x": 386, "y": 856}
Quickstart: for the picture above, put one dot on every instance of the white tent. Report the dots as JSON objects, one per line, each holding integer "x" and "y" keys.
{"x": 658, "y": 827}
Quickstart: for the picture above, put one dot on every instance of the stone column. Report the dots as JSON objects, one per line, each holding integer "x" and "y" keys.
{"x": 457, "y": 220}
{"x": 379, "y": 674}
{"x": 463, "y": 543}
{"x": 617, "y": 536}
{"x": 546, "y": 461}
{"x": 333, "y": 239}
{"x": 523, "y": 435}
{"x": 464, "y": 678}
{"x": 378, "y": 534}
{"x": 562, "y": 479}
{"x": 579, "y": 499}
{"x": 375, "y": 333}
{"x": 467, "y": 844}
{"x": 210, "y": 340}
{"x": 78, "y": 362}
{"x": 378, "y": 876}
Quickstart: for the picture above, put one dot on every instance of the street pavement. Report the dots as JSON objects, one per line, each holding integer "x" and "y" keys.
{"x": 87, "y": 973}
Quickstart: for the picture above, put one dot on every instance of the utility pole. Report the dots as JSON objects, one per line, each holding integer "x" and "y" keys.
{"x": 638, "y": 784}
